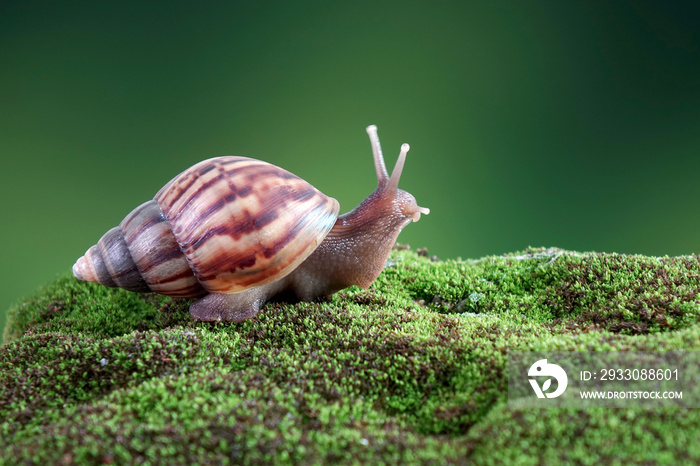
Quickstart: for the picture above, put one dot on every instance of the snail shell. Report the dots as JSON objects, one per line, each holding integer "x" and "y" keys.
{"x": 222, "y": 226}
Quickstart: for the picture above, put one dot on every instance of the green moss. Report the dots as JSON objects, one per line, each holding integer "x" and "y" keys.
{"x": 413, "y": 370}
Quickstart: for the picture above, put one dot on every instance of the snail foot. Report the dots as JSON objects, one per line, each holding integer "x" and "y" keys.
{"x": 235, "y": 307}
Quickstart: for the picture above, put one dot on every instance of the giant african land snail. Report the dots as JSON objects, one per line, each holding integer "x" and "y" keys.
{"x": 235, "y": 232}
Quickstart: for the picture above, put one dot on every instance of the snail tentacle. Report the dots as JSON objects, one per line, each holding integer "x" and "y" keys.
{"x": 393, "y": 183}
{"x": 380, "y": 166}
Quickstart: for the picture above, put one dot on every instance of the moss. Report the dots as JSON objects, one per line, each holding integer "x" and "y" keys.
{"x": 413, "y": 370}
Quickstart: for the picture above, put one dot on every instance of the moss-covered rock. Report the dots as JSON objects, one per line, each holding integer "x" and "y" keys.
{"x": 413, "y": 370}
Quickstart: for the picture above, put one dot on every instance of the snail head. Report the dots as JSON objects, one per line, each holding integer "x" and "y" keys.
{"x": 388, "y": 186}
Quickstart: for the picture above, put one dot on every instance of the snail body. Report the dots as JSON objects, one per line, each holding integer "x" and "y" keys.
{"x": 235, "y": 232}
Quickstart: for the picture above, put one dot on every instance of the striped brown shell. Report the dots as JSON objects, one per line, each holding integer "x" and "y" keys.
{"x": 222, "y": 226}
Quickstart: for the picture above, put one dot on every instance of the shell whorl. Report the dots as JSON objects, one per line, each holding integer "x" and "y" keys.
{"x": 110, "y": 263}
{"x": 242, "y": 222}
{"x": 141, "y": 255}
{"x": 222, "y": 226}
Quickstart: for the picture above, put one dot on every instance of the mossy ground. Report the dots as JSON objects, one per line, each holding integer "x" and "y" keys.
{"x": 413, "y": 370}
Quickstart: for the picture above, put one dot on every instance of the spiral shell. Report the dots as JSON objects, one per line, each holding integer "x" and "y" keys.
{"x": 222, "y": 226}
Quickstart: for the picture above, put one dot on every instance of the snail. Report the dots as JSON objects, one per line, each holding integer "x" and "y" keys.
{"x": 235, "y": 232}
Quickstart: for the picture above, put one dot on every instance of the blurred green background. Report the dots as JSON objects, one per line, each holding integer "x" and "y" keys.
{"x": 543, "y": 123}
